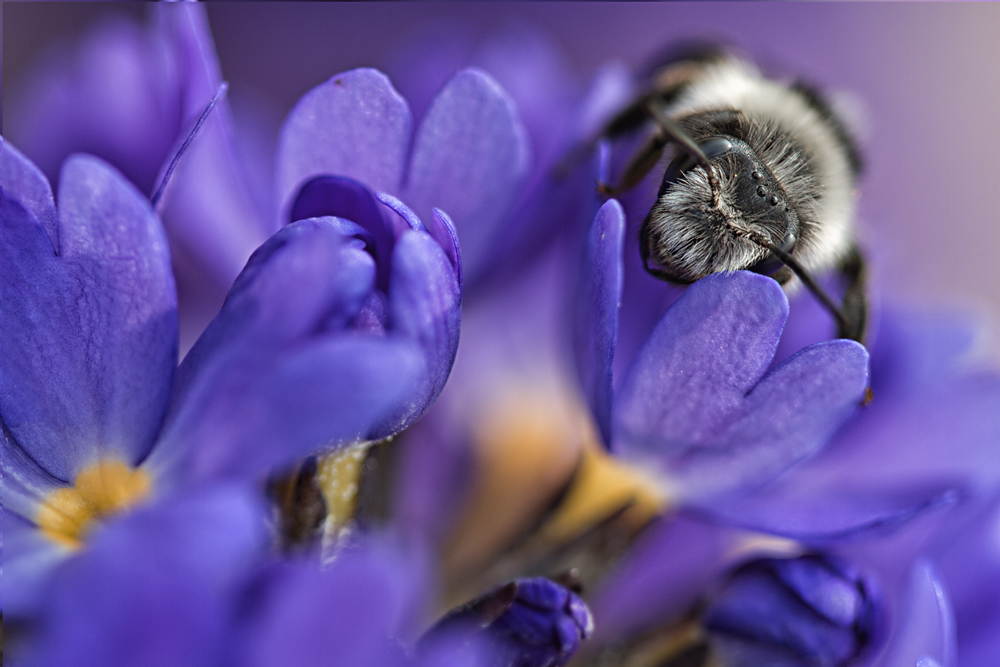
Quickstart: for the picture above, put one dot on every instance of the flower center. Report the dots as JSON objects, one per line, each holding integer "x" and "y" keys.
{"x": 100, "y": 490}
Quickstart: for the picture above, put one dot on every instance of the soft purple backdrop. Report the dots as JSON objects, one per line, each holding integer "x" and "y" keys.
{"x": 925, "y": 74}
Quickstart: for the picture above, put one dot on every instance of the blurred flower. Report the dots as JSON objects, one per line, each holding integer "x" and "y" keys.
{"x": 94, "y": 422}
{"x": 128, "y": 94}
{"x": 532, "y": 622}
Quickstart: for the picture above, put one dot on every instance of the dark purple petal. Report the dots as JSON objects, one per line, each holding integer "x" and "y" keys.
{"x": 23, "y": 181}
{"x": 694, "y": 398}
{"x": 599, "y": 296}
{"x": 353, "y": 125}
{"x": 153, "y": 588}
{"x": 443, "y": 230}
{"x": 247, "y": 413}
{"x": 470, "y": 158}
{"x": 346, "y": 198}
{"x": 925, "y": 625}
{"x": 662, "y": 576}
{"x": 350, "y": 613}
{"x": 88, "y": 338}
{"x": 425, "y": 305}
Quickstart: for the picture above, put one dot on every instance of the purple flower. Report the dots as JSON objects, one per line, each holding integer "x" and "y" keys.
{"x": 532, "y": 622}
{"x": 93, "y": 421}
{"x": 129, "y": 94}
{"x": 699, "y": 400}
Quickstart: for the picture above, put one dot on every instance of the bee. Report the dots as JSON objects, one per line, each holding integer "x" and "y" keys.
{"x": 762, "y": 179}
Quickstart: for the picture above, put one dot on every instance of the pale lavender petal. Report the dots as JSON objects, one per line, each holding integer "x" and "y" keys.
{"x": 470, "y": 158}
{"x": 248, "y": 413}
{"x": 22, "y": 180}
{"x": 154, "y": 588}
{"x": 925, "y": 627}
{"x": 425, "y": 305}
{"x": 598, "y": 298}
{"x": 353, "y": 125}
{"x": 89, "y": 337}
{"x": 694, "y": 399}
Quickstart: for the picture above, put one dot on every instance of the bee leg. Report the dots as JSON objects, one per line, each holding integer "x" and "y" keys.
{"x": 854, "y": 305}
{"x": 641, "y": 164}
{"x": 627, "y": 120}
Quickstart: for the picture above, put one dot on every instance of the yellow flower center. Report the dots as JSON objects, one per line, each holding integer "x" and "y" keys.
{"x": 100, "y": 490}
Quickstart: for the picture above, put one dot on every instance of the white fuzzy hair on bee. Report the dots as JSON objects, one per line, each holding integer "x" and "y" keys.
{"x": 762, "y": 179}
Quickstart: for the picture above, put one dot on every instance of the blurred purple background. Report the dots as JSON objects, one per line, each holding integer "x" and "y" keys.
{"x": 925, "y": 74}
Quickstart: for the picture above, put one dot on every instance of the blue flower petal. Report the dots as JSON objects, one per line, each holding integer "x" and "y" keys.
{"x": 470, "y": 158}
{"x": 925, "y": 628}
{"x": 596, "y": 326}
{"x": 695, "y": 398}
{"x": 353, "y": 125}
{"x": 88, "y": 338}
{"x": 154, "y": 588}
{"x": 21, "y": 179}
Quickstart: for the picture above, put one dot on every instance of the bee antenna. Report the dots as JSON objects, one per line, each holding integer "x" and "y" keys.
{"x": 803, "y": 275}
{"x": 158, "y": 193}
{"x": 674, "y": 131}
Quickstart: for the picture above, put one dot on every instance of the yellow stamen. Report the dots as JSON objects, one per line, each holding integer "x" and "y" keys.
{"x": 100, "y": 490}
{"x": 339, "y": 476}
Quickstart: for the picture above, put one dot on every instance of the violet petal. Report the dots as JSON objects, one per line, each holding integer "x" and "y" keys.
{"x": 247, "y": 414}
{"x": 425, "y": 305}
{"x": 470, "y": 158}
{"x": 926, "y": 624}
{"x": 89, "y": 337}
{"x": 346, "y": 198}
{"x": 596, "y": 329}
{"x": 154, "y": 588}
{"x": 696, "y": 399}
{"x": 20, "y": 178}
{"x": 354, "y": 125}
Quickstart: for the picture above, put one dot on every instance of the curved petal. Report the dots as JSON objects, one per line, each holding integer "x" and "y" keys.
{"x": 596, "y": 330}
{"x": 346, "y": 198}
{"x": 249, "y": 412}
{"x": 894, "y": 460}
{"x": 22, "y": 180}
{"x": 354, "y": 125}
{"x": 924, "y": 631}
{"x": 305, "y": 279}
{"x": 471, "y": 157}
{"x": 425, "y": 304}
{"x": 156, "y": 587}
{"x": 694, "y": 398}
{"x": 89, "y": 338}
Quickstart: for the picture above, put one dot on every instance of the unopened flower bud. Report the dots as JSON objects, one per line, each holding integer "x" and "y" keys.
{"x": 791, "y": 612}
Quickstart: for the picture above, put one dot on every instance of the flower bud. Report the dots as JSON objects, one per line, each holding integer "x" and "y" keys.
{"x": 789, "y": 612}
{"x": 531, "y": 622}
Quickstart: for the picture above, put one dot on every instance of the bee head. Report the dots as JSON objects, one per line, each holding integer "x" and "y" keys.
{"x": 712, "y": 212}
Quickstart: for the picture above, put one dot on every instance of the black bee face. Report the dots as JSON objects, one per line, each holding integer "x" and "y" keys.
{"x": 694, "y": 230}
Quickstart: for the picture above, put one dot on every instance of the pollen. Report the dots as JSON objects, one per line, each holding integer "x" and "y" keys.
{"x": 100, "y": 490}
{"x": 339, "y": 475}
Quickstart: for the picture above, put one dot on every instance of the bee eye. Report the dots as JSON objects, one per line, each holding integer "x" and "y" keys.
{"x": 684, "y": 162}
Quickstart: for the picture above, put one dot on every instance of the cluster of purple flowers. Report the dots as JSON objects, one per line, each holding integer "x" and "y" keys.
{"x": 238, "y": 428}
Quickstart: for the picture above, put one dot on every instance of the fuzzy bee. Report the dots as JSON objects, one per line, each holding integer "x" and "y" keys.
{"x": 762, "y": 179}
